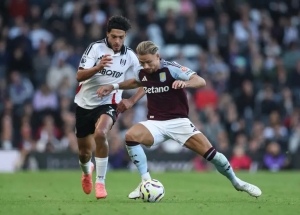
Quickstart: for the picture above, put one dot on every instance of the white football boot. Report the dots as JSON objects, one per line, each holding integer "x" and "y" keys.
{"x": 136, "y": 193}
{"x": 251, "y": 189}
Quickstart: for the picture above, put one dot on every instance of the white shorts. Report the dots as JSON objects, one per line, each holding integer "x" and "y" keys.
{"x": 180, "y": 130}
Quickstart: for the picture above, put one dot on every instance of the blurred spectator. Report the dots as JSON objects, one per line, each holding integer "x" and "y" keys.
{"x": 3, "y": 59}
{"x": 41, "y": 64}
{"x": 7, "y": 132}
{"x": 222, "y": 144}
{"x": 268, "y": 104}
{"x": 239, "y": 160}
{"x": 53, "y": 19}
{"x": 95, "y": 15}
{"x": 206, "y": 96}
{"x": 213, "y": 127}
{"x": 295, "y": 77}
{"x": 18, "y": 8}
{"x": 20, "y": 61}
{"x": 45, "y": 99}
{"x": 232, "y": 125}
{"x": 68, "y": 141}
{"x": 274, "y": 159}
{"x": 34, "y": 14}
{"x": 254, "y": 150}
{"x": 3, "y": 93}
{"x": 276, "y": 131}
{"x": 294, "y": 142}
{"x": 246, "y": 101}
{"x": 39, "y": 34}
{"x": 57, "y": 73}
{"x": 20, "y": 88}
{"x": 48, "y": 136}
{"x": 27, "y": 144}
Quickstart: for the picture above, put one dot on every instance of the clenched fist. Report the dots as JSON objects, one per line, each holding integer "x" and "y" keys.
{"x": 104, "y": 62}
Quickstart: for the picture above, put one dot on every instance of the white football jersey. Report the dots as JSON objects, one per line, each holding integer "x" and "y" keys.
{"x": 123, "y": 62}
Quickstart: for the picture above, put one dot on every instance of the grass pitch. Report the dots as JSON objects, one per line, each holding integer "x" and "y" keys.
{"x": 59, "y": 193}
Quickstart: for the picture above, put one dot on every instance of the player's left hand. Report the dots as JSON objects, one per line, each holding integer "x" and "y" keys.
{"x": 104, "y": 90}
{"x": 124, "y": 105}
{"x": 178, "y": 84}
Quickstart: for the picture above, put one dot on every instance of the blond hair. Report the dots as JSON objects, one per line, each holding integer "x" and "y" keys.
{"x": 146, "y": 47}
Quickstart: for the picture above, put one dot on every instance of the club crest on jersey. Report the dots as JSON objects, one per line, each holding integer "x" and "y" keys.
{"x": 122, "y": 62}
{"x": 162, "y": 77}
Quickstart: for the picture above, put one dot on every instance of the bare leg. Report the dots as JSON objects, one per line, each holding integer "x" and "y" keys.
{"x": 85, "y": 148}
{"x": 103, "y": 125}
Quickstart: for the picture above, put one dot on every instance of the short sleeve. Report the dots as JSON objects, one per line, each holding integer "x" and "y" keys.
{"x": 137, "y": 75}
{"x": 136, "y": 66}
{"x": 179, "y": 72}
{"x": 89, "y": 57}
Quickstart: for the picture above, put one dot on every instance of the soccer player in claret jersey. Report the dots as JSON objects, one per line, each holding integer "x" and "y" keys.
{"x": 103, "y": 62}
{"x": 164, "y": 84}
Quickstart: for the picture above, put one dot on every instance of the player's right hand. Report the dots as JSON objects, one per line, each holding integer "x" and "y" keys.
{"x": 104, "y": 62}
{"x": 104, "y": 90}
{"x": 124, "y": 105}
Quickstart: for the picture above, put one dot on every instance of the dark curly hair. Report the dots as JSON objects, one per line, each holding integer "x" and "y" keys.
{"x": 118, "y": 22}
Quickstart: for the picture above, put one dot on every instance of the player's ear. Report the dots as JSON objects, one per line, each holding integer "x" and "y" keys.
{"x": 158, "y": 56}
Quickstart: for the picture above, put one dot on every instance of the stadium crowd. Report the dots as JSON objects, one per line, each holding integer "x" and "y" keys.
{"x": 247, "y": 51}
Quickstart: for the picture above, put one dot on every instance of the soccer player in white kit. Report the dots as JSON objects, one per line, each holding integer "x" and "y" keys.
{"x": 103, "y": 62}
{"x": 164, "y": 84}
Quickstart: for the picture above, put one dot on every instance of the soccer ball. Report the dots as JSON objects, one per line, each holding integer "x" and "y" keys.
{"x": 152, "y": 191}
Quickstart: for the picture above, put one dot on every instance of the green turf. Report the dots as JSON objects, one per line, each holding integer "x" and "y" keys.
{"x": 59, "y": 193}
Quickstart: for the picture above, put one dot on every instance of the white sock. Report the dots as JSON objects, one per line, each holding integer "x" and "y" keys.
{"x": 146, "y": 176}
{"x": 101, "y": 167}
{"x": 86, "y": 167}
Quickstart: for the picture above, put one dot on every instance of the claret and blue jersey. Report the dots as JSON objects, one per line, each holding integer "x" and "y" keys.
{"x": 164, "y": 102}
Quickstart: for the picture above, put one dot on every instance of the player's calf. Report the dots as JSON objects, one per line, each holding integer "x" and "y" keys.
{"x": 138, "y": 157}
{"x": 84, "y": 157}
{"x": 84, "y": 154}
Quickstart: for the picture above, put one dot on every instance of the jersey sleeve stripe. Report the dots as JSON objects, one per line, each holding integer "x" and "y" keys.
{"x": 101, "y": 41}
{"x": 172, "y": 64}
{"x": 87, "y": 51}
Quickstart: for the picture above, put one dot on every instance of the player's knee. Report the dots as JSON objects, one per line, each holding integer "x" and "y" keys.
{"x": 100, "y": 135}
{"x": 130, "y": 137}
